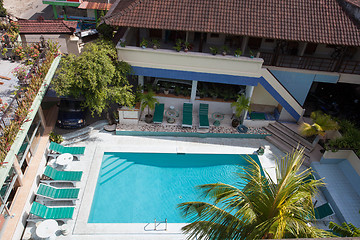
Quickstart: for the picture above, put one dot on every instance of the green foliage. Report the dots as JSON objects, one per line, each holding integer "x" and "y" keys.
{"x": 56, "y": 137}
{"x": 96, "y": 76}
{"x": 344, "y": 230}
{"x": 144, "y": 43}
{"x": 3, "y": 12}
{"x": 214, "y": 50}
{"x": 155, "y": 43}
{"x": 178, "y": 45}
{"x": 350, "y": 138}
{"x": 148, "y": 100}
{"x": 322, "y": 123}
{"x": 106, "y": 31}
{"x": 238, "y": 52}
{"x": 241, "y": 104}
{"x": 257, "y": 207}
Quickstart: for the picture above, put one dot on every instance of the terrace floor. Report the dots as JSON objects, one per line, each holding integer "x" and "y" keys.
{"x": 100, "y": 141}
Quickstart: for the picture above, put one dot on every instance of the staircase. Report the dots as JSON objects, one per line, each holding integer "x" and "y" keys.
{"x": 286, "y": 140}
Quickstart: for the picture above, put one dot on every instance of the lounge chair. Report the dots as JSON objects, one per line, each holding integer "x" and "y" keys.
{"x": 187, "y": 115}
{"x": 58, "y": 213}
{"x": 204, "y": 115}
{"x": 158, "y": 113}
{"x": 62, "y": 176}
{"x": 55, "y": 193}
{"x": 323, "y": 211}
{"x": 56, "y": 149}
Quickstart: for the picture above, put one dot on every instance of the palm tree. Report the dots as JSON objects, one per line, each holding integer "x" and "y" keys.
{"x": 257, "y": 207}
{"x": 242, "y": 104}
{"x": 345, "y": 229}
{"x": 322, "y": 123}
{"x": 148, "y": 100}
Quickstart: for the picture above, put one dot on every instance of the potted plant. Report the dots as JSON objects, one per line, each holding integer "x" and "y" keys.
{"x": 238, "y": 52}
{"x": 214, "y": 92}
{"x": 144, "y": 43}
{"x": 155, "y": 43}
{"x": 251, "y": 54}
{"x": 166, "y": 88}
{"x": 214, "y": 50}
{"x": 321, "y": 123}
{"x": 148, "y": 100}
{"x": 178, "y": 45}
{"x": 122, "y": 43}
{"x": 186, "y": 46}
{"x": 225, "y": 50}
{"x": 4, "y": 53}
{"x": 242, "y": 104}
{"x": 177, "y": 90}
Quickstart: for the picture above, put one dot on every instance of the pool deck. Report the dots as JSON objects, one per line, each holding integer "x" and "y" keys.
{"x": 101, "y": 141}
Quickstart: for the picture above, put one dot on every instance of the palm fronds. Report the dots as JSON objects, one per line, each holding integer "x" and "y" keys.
{"x": 257, "y": 207}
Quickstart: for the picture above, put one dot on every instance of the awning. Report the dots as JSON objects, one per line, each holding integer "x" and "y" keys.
{"x": 95, "y": 5}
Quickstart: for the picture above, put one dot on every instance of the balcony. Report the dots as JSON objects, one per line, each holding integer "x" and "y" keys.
{"x": 311, "y": 63}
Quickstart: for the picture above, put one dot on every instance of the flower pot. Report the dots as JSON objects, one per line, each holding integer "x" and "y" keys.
{"x": 235, "y": 123}
{"x": 166, "y": 92}
{"x": 155, "y": 47}
{"x": 224, "y": 53}
{"x": 148, "y": 118}
{"x": 186, "y": 49}
{"x": 143, "y": 47}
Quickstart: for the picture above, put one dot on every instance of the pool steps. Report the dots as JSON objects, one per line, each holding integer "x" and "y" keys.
{"x": 113, "y": 168}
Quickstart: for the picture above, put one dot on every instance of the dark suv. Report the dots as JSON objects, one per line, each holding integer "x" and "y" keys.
{"x": 71, "y": 115}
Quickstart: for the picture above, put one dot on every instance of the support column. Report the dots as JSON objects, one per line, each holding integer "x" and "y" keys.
{"x": 302, "y": 49}
{"x": 55, "y": 12}
{"x": 193, "y": 91}
{"x": 42, "y": 117}
{"x": 187, "y": 37}
{"x": 244, "y": 44}
{"x": 248, "y": 94}
{"x": 141, "y": 80}
{"x": 96, "y": 15}
{"x": 18, "y": 171}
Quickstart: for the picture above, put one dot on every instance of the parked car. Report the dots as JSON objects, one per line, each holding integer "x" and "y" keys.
{"x": 71, "y": 115}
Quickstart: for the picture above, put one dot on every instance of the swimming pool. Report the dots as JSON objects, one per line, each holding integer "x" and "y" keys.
{"x": 139, "y": 187}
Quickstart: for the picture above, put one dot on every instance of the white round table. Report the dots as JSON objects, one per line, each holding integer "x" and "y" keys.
{"x": 64, "y": 159}
{"x": 47, "y": 229}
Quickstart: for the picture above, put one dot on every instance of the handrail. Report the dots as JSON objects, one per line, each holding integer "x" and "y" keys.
{"x": 156, "y": 224}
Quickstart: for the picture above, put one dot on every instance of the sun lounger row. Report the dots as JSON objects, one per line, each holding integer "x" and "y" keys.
{"x": 187, "y": 120}
{"x": 57, "y": 149}
{"x": 49, "y": 192}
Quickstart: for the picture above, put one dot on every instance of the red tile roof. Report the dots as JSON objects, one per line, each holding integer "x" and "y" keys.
{"x": 46, "y": 26}
{"x": 318, "y": 21}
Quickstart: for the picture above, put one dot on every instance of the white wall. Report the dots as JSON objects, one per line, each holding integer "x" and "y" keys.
{"x": 262, "y": 97}
{"x": 60, "y": 38}
{"x": 191, "y": 61}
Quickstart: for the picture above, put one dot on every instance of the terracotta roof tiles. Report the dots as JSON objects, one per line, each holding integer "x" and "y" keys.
{"x": 318, "y": 21}
{"x": 46, "y": 26}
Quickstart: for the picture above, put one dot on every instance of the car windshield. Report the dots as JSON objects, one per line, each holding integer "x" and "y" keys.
{"x": 70, "y": 106}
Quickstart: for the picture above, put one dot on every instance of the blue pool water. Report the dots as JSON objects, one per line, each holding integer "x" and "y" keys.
{"x": 139, "y": 187}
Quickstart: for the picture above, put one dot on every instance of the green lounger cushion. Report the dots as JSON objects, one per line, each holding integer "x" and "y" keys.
{"x": 57, "y": 193}
{"x": 61, "y": 149}
{"x": 62, "y": 175}
{"x": 187, "y": 115}
{"x": 159, "y": 113}
{"x": 322, "y": 211}
{"x": 257, "y": 116}
{"x": 52, "y": 212}
{"x": 204, "y": 115}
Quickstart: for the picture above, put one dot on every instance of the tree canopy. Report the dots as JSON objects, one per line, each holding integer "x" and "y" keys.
{"x": 257, "y": 207}
{"x": 96, "y": 77}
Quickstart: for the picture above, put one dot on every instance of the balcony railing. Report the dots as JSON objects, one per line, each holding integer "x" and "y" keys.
{"x": 311, "y": 63}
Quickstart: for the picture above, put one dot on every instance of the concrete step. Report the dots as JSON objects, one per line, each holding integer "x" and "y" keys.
{"x": 293, "y": 134}
{"x": 287, "y": 137}
{"x": 286, "y": 148}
